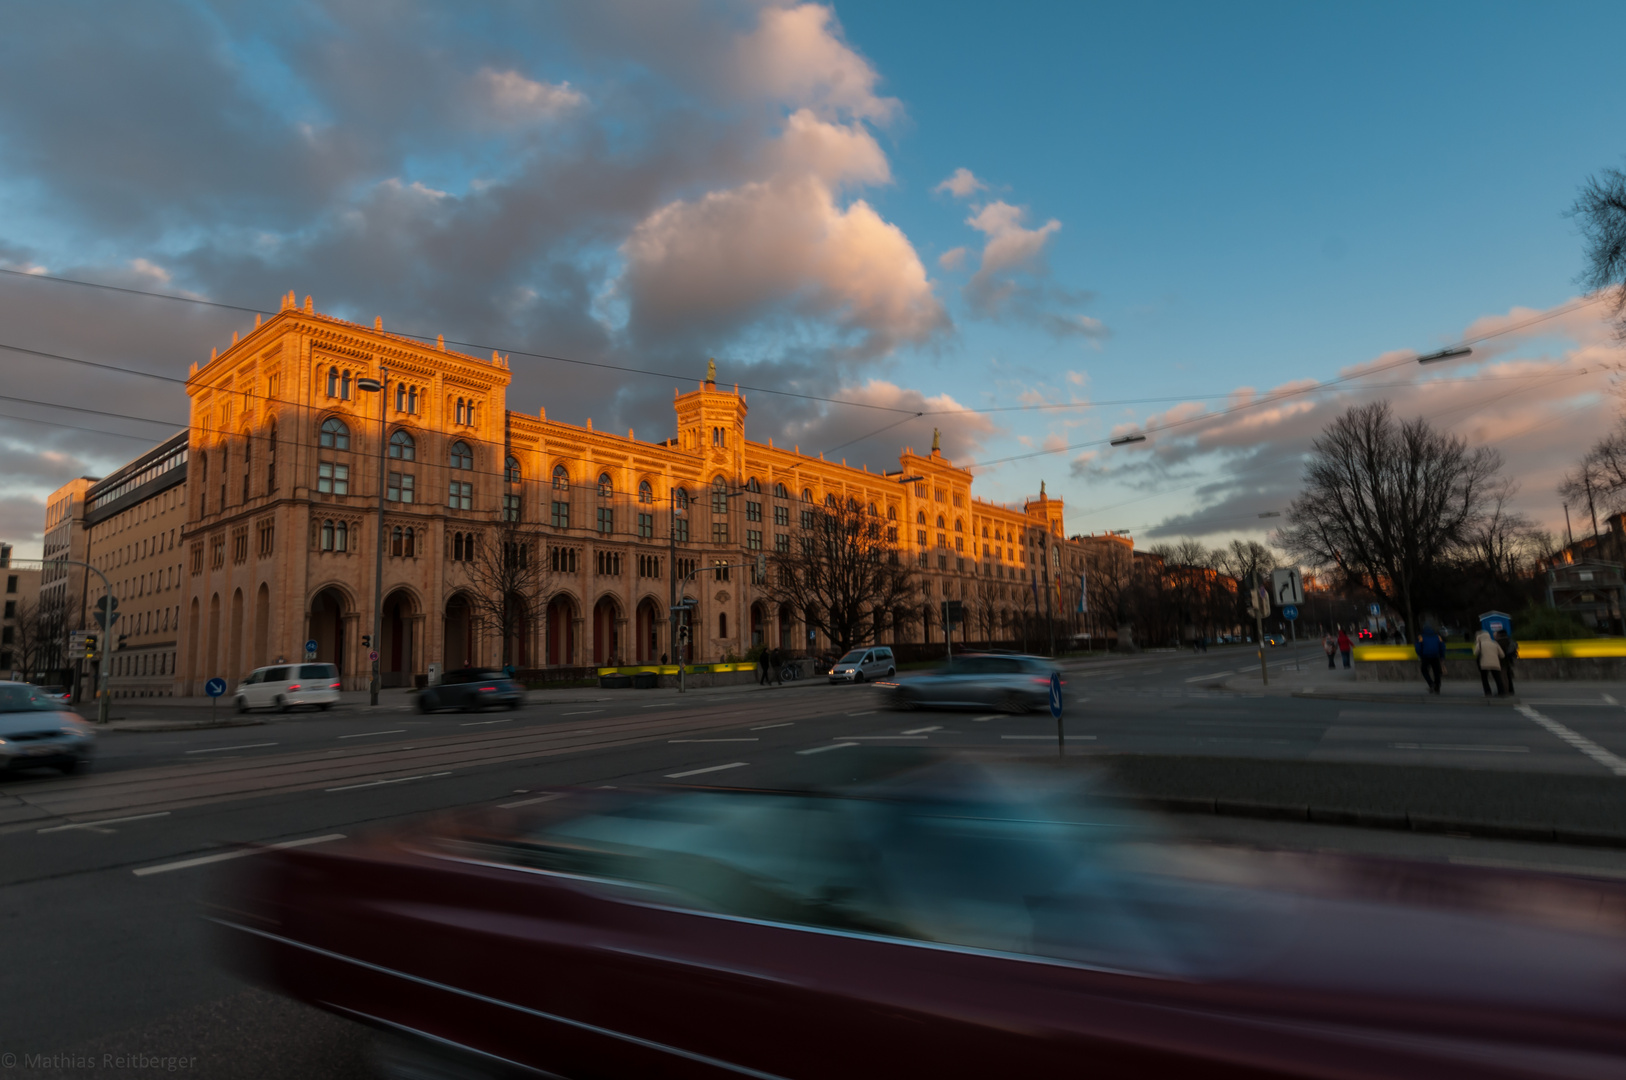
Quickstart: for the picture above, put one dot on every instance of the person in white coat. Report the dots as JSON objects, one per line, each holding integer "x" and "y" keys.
{"x": 1489, "y": 655}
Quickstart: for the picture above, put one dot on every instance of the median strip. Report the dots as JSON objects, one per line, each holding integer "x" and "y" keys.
{"x": 204, "y": 860}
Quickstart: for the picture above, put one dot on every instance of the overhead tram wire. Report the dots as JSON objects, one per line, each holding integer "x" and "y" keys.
{"x": 1573, "y": 305}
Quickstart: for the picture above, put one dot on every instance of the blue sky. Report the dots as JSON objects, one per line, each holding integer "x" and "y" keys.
{"x": 1170, "y": 201}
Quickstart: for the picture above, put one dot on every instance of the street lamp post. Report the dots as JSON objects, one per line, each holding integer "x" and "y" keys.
{"x": 378, "y": 386}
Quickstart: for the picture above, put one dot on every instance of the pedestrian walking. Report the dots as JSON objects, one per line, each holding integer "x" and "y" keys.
{"x": 1430, "y": 653}
{"x": 1344, "y": 645}
{"x": 1510, "y": 653}
{"x": 1489, "y": 655}
{"x": 776, "y": 664}
{"x": 762, "y": 668}
{"x": 1329, "y": 645}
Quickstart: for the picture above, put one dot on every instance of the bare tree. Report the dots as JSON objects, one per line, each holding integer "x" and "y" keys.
{"x": 843, "y": 574}
{"x": 507, "y": 578}
{"x": 1600, "y": 209}
{"x": 29, "y": 640}
{"x": 1387, "y": 504}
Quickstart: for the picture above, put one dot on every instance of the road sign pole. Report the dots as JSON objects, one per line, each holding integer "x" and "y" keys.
{"x": 1055, "y": 710}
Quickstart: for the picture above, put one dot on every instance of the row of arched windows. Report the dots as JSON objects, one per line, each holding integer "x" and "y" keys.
{"x": 404, "y": 542}
{"x": 335, "y": 536}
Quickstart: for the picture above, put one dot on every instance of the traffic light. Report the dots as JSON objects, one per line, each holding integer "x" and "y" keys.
{"x": 90, "y": 646}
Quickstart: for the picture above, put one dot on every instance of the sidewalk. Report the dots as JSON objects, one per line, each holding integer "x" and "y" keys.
{"x": 1311, "y": 678}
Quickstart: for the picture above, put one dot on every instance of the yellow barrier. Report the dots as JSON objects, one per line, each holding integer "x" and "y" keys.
{"x": 1580, "y": 648}
{"x": 671, "y": 669}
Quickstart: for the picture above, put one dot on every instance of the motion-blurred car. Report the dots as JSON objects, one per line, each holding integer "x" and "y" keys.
{"x": 37, "y": 732}
{"x": 471, "y": 688}
{"x": 288, "y": 686}
{"x": 971, "y": 928}
{"x": 860, "y": 665}
{"x": 1364, "y": 634}
{"x": 1275, "y": 639}
{"x": 1014, "y": 684}
{"x": 60, "y": 695}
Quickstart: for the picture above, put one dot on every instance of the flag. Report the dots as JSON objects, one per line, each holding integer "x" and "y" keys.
{"x": 1083, "y": 592}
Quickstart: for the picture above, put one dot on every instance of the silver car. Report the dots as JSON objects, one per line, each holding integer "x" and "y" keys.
{"x": 35, "y": 732}
{"x": 1014, "y": 684}
{"x": 861, "y": 664}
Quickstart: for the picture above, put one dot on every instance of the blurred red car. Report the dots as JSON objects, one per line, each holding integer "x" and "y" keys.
{"x": 1365, "y": 634}
{"x": 927, "y": 931}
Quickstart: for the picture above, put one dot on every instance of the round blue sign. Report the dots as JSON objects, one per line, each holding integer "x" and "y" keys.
{"x": 310, "y": 646}
{"x": 215, "y": 687}
{"x": 1055, "y": 695}
{"x": 1290, "y": 612}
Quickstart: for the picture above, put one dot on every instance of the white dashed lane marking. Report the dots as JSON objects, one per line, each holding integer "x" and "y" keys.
{"x": 204, "y": 860}
{"x": 707, "y": 769}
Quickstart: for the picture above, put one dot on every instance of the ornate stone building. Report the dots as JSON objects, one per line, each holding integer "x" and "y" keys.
{"x": 292, "y": 446}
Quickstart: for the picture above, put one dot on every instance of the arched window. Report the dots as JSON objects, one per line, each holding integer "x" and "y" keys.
{"x": 872, "y": 511}
{"x": 344, "y": 386}
{"x": 400, "y": 397}
{"x": 892, "y": 513}
{"x": 959, "y": 525}
{"x": 395, "y": 541}
{"x": 561, "y": 478}
{"x": 722, "y": 624}
{"x": 341, "y": 537}
{"x": 751, "y": 485}
{"x": 606, "y": 486}
{"x": 459, "y": 410}
{"x": 334, "y": 434}
{"x": 402, "y": 446}
{"x": 852, "y": 504}
{"x": 462, "y": 456}
{"x": 779, "y": 492}
{"x": 412, "y": 400}
{"x": 999, "y": 534}
{"x": 411, "y": 543}
{"x": 680, "y": 498}
{"x": 646, "y": 494}
{"x": 830, "y": 499}
{"x": 332, "y": 382}
{"x": 327, "y": 536}
{"x": 920, "y": 517}
{"x": 510, "y": 469}
{"x": 719, "y": 495}
{"x": 807, "y": 495}
{"x": 939, "y": 521}
{"x": 985, "y": 532}
{"x": 457, "y": 547}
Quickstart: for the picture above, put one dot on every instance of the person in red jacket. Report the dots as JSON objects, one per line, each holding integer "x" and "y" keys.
{"x": 1344, "y": 645}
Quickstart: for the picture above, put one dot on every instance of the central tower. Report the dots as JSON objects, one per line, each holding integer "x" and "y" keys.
{"x": 711, "y": 424}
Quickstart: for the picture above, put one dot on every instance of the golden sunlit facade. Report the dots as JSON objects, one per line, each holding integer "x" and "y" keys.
{"x": 284, "y": 483}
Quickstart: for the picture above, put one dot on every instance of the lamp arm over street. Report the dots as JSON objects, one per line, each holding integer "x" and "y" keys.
{"x": 104, "y": 665}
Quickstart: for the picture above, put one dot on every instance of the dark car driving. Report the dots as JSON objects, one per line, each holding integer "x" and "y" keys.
{"x": 1010, "y": 682}
{"x": 471, "y": 688}
{"x": 966, "y": 923}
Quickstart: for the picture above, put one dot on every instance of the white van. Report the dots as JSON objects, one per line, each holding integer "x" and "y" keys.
{"x": 283, "y": 686}
{"x": 863, "y": 664}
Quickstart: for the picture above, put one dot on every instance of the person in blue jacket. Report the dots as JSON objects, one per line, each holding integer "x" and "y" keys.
{"x": 1431, "y": 651}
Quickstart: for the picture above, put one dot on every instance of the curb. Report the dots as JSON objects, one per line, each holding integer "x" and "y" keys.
{"x": 138, "y": 726}
{"x": 1407, "y": 822}
{"x": 1407, "y": 699}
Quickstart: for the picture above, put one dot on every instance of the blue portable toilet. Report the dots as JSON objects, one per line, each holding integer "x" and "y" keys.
{"x": 1497, "y": 622}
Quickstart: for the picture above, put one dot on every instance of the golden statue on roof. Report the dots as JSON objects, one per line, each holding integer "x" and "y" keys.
{"x": 711, "y": 370}
{"x": 936, "y": 440}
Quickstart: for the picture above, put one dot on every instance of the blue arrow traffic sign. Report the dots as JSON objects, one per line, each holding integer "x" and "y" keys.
{"x": 215, "y": 687}
{"x": 310, "y": 646}
{"x": 1290, "y": 612}
{"x": 1055, "y": 695}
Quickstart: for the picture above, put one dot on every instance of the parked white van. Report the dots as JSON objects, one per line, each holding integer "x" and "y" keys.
{"x": 283, "y": 686}
{"x": 862, "y": 664}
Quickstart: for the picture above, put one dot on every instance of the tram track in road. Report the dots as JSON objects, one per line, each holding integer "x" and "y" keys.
{"x": 205, "y": 781}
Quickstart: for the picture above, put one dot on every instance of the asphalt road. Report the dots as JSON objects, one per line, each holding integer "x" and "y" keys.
{"x": 101, "y": 874}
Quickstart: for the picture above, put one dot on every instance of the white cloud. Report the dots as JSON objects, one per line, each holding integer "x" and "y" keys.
{"x": 961, "y": 184}
{"x": 513, "y": 98}
{"x": 962, "y": 433}
{"x": 784, "y": 243}
{"x": 1012, "y": 279}
{"x": 952, "y": 259}
{"x": 797, "y": 55}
